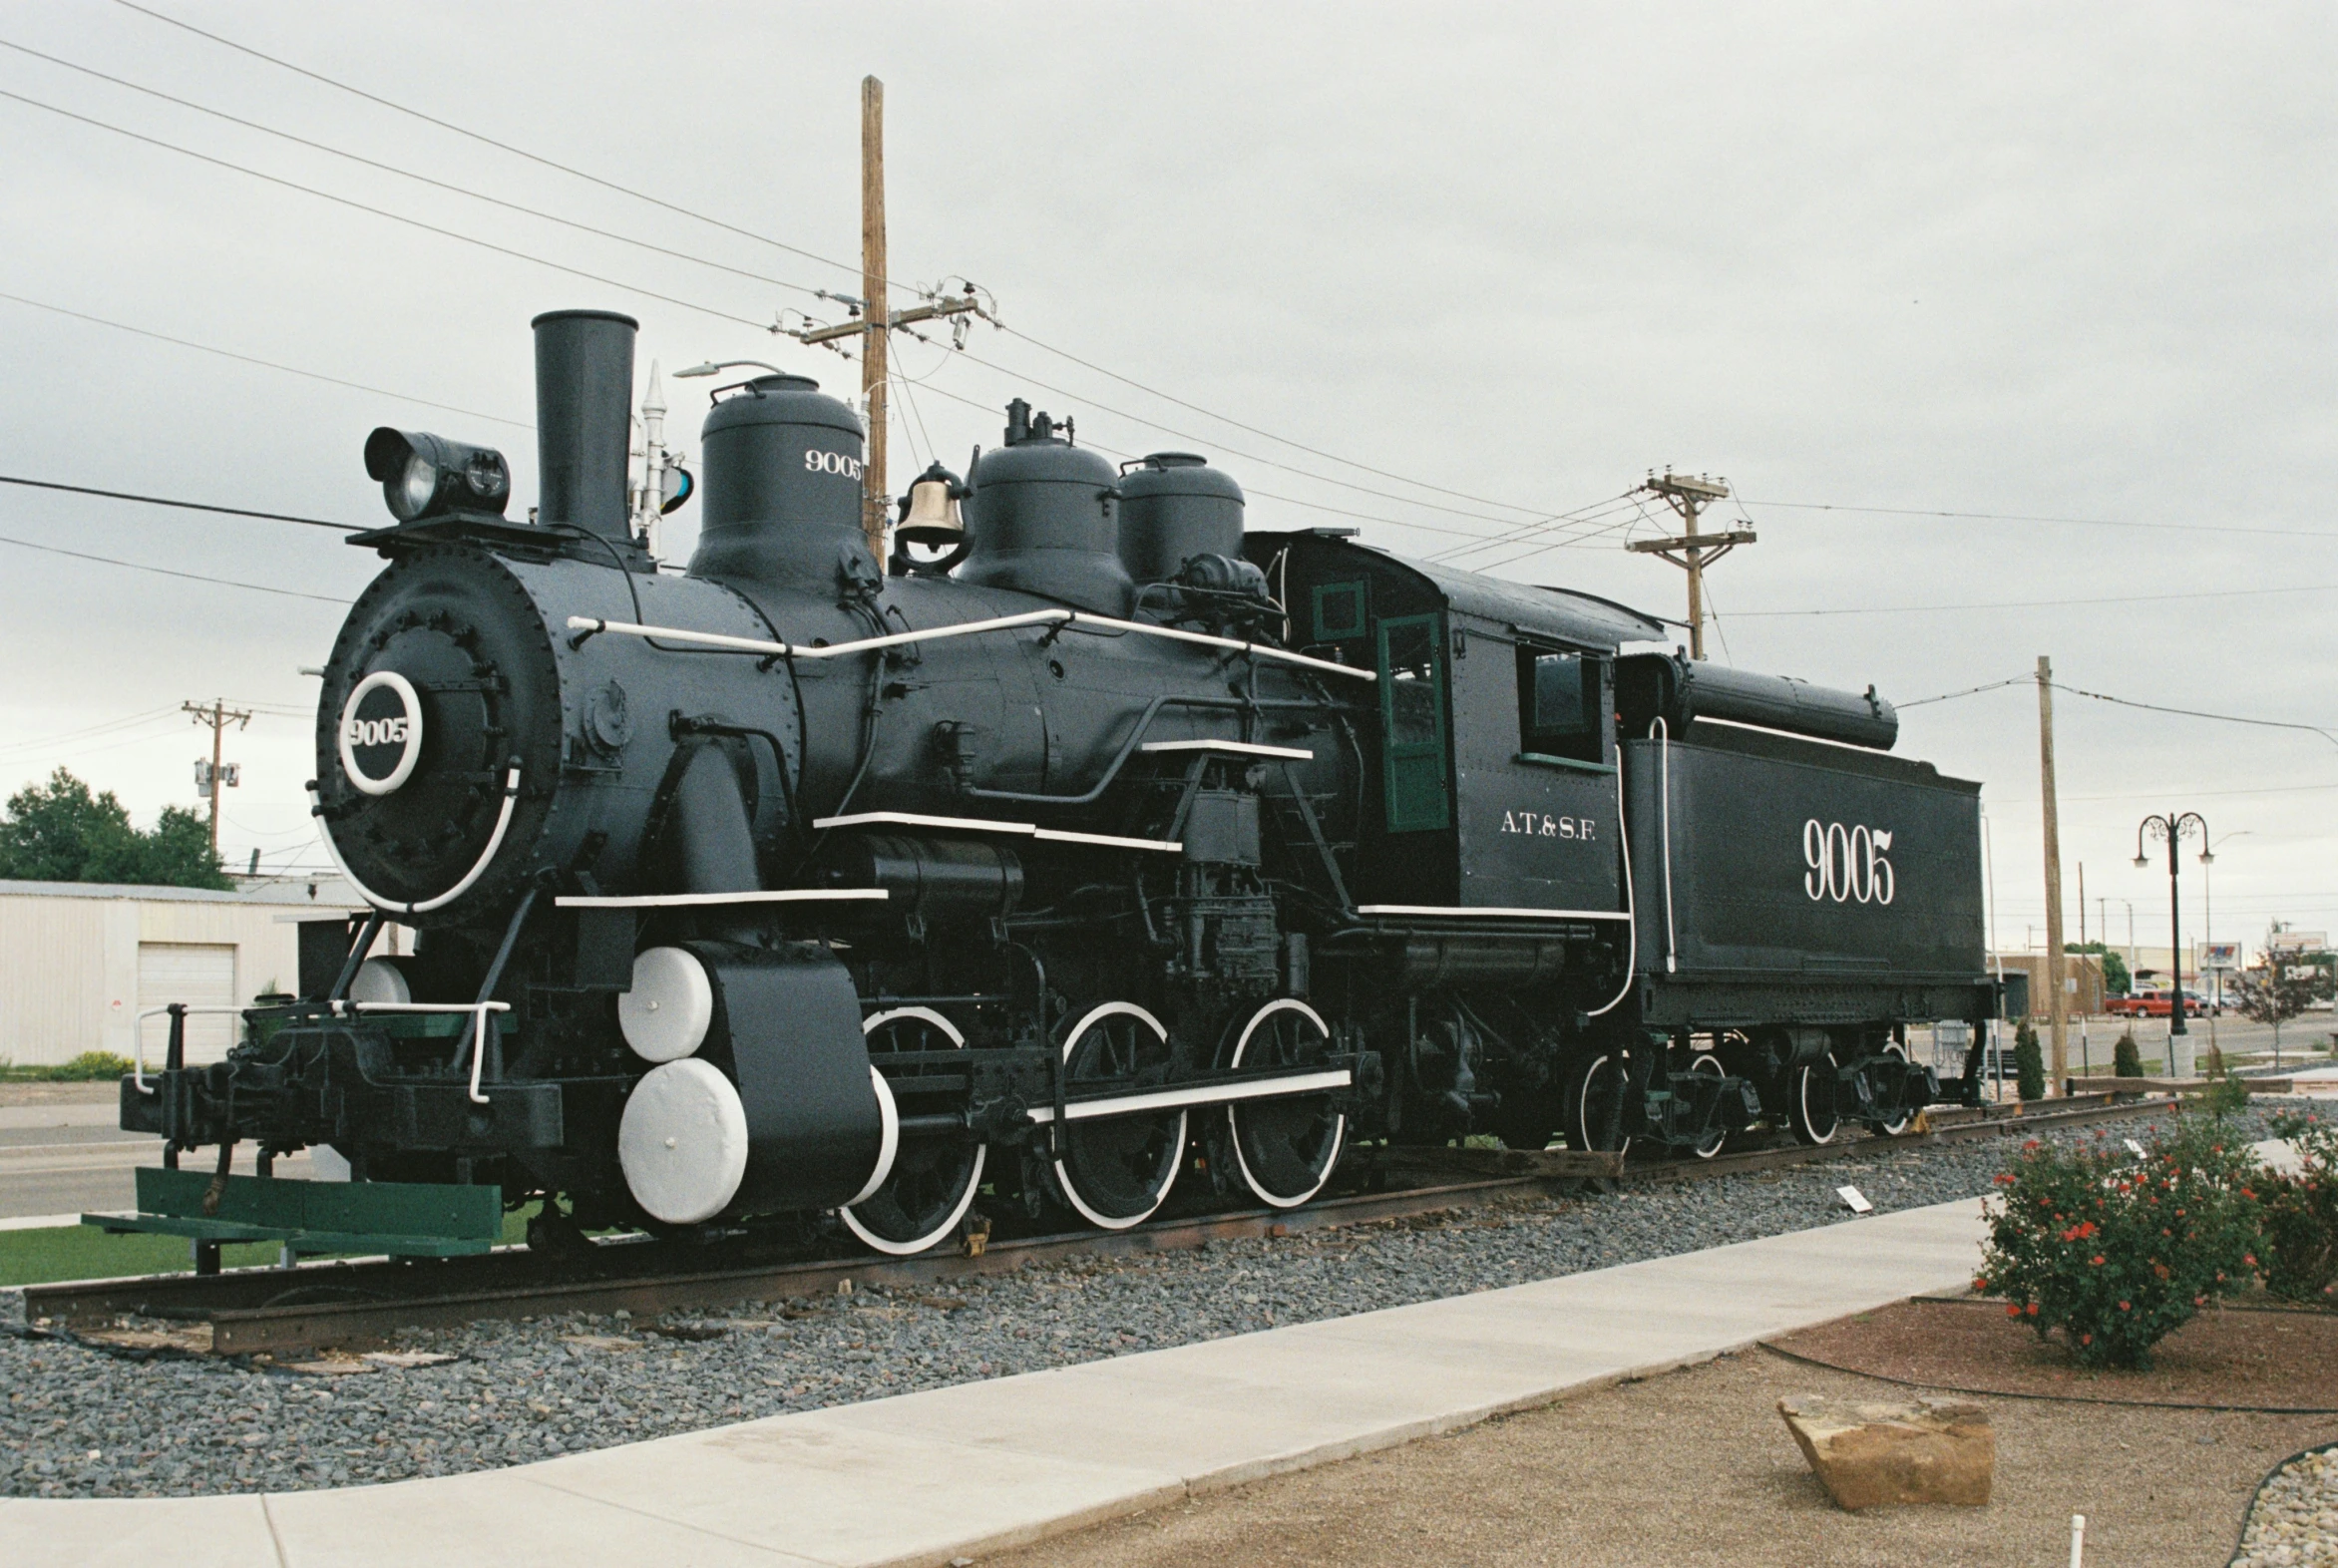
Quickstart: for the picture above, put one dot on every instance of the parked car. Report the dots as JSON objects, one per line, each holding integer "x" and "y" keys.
{"x": 2156, "y": 1005}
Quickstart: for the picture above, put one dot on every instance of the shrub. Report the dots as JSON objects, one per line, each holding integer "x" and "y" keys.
{"x": 2029, "y": 1068}
{"x": 2118, "y": 1253}
{"x": 2300, "y": 1214}
{"x": 2125, "y": 1060}
{"x": 93, "y": 1064}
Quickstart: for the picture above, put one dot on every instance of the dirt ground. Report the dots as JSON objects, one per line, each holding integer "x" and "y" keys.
{"x": 2261, "y": 1354}
{"x": 1694, "y": 1467}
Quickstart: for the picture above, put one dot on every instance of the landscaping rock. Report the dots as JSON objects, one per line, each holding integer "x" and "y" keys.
{"x": 1924, "y": 1452}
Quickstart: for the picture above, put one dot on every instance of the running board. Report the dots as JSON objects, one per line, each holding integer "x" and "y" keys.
{"x": 1200, "y": 1094}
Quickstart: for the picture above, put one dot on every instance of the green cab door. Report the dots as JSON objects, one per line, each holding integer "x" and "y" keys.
{"x": 1413, "y": 723}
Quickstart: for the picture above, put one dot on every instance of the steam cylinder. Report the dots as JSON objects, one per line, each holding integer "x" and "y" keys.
{"x": 1044, "y": 519}
{"x": 1174, "y": 507}
{"x": 584, "y": 418}
{"x": 783, "y": 489}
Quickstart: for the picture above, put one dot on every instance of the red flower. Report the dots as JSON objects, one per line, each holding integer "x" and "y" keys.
{"x": 2011, "y": 1310}
{"x": 2123, "y": 1306}
{"x": 2249, "y": 1258}
{"x": 2004, "y": 1179}
{"x": 2086, "y": 1339}
{"x": 1979, "y": 1285}
{"x": 2033, "y": 1309}
{"x": 2244, "y": 1192}
{"x": 2202, "y": 1301}
{"x": 2031, "y": 1144}
{"x": 2096, "y": 1261}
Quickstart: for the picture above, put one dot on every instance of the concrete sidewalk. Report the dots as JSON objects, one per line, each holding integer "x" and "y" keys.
{"x": 925, "y": 1477}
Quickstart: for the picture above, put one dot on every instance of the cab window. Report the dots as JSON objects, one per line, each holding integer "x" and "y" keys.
{"x": 1561, "y": 699}
{"x": 1413, "y": 717}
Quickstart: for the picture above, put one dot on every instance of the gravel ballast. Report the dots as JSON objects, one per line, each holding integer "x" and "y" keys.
{"x": 2295, "y": 1518}
{"x": 81, "y": 1423}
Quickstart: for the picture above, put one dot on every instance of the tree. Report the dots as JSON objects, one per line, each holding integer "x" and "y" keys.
{"x": 2116, "y": 980}
{"x": 62, "y": 832}
{"x": 2268, "y": 996}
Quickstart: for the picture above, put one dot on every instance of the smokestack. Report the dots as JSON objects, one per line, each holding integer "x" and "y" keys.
{"x": 584, "y": 418}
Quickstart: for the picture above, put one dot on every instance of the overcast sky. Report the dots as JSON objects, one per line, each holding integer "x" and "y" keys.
{"x": 2044, "y": 262}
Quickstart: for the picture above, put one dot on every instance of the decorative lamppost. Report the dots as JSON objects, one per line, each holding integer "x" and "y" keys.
{"x": 2172, "y": 828}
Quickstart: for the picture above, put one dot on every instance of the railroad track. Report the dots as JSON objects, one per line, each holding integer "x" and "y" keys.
{"x": 356, "y": 1304}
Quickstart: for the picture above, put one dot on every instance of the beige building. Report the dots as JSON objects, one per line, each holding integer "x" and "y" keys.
{"x": 2083, "y": 991}
{"x": 80, "y": 960}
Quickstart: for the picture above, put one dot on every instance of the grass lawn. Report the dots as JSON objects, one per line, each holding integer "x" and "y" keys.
{"x": 83, "y": 1252}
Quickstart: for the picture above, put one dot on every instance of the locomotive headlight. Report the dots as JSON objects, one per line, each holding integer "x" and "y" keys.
{"x": 425, "y": 476}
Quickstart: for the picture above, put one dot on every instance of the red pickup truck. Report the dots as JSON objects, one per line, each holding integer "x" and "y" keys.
{"x": 2155, "y": 1004}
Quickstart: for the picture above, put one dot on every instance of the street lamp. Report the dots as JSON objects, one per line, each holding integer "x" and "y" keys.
{"x": 2172, "y": 828}
{"x": 716, "y": 367}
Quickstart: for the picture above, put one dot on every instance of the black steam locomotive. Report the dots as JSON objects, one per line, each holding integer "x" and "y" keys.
{"x": 1095, "y": 845}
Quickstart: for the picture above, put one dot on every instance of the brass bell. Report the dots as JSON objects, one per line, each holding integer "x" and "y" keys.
{"x": 929, "y": 511}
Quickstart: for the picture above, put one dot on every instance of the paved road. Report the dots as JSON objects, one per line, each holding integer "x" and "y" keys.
{"x": 69, "y": 1156}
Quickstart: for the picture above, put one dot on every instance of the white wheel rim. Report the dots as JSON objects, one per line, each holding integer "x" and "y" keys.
{"x": 1700, "y": 1064}
{"x": 1583, "y": 1105}
{"x": 1071, "y": 1194}
{"x": 1803, "y": 1096}
{"x": 966, "y": 1201}
{"x": 1234, "y": 1132}
{"x": 1895, "y": 1129}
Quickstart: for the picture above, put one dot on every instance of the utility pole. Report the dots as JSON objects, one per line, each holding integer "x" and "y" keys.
{"x": 219, "y": 716}
{"x": 1692, "y": 552}
{"x": 2058, "y": 1005}
{"x": 875, "y": 501}
{"x": 874, "y": 323}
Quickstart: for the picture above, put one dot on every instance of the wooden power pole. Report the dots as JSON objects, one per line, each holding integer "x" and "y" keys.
{"x": 2058, "y": 1000}
{"x": 876, "y": 317}
{"x": 219, "y": 716}
{"x": 1692, "y": 552}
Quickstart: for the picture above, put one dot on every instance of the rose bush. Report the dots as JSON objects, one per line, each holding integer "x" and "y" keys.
{"x": 2300, "y": 1217}
{"x": 2118, "y": 1253}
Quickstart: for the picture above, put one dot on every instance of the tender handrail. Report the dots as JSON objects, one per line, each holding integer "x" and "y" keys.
{"x": 592, "y": 626}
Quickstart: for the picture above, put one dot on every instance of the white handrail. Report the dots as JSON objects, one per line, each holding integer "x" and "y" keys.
{"x": 1630, "y": 907}
{"x": 1663, "y": 791}
{"x": 138, "y": 1037}
{"x": 478, "y": 1010}
{"x": 494, "y": 841}
{"x": 1037, "y": 618}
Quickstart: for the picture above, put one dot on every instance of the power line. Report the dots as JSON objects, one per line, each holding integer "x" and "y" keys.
{"x": 762, "y": 238}
{"x": 2043, "y": 603}
{"x": 2009, "y": 517}
{"x": 1301, "y": 446}
{"x": 408, "y": 174}
{"x": 166, "y": 500}
{"x": 1949, "y": 696}
{"x": 191, "y": 577}
{"x": 505, "y": 146}
{"x": 377, "y": 212}
{"x": 2227, "y": 718}
{"x": 266, "y": 365}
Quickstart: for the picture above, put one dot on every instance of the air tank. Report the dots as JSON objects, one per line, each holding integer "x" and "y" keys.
{"x": 1042, "y": 517}
{"x": 1174, "y": 507}
{"x": 585, "y": 419}
{"x": 1680, "y": 690}
{"x": 783, "y": 490}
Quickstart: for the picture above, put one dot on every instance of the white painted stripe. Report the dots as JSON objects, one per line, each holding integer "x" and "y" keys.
{"x": 1238, "y": 748}
{"x": 676, "y": 900}
{"x": 1442, "y": 911}
{"x": 1206, "y": 1094}
{"x": 911, "y": 819}
{"x": 1106, "y": 840}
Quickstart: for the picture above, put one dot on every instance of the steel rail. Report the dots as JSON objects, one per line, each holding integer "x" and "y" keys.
{"x": 249, "y": 1314}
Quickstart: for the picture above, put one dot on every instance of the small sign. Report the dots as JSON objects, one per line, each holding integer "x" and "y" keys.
{"x": 1854, "y": 1200}
{"x": 2135, "y": 1149}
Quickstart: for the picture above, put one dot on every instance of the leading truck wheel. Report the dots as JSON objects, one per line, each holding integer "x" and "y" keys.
{"x": 1116, "y": 1170}
{"x": 1285, "y": 1146}
{"x": 933, "y": 1181}
{"x": 1811, "y": 1110}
